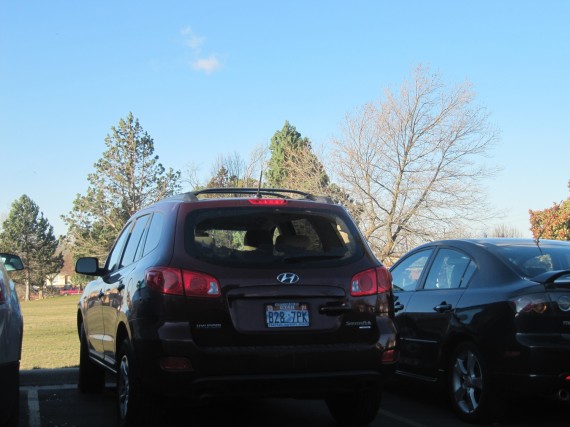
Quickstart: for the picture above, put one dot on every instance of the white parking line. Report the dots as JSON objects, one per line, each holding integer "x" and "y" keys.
{"x": 34, "y": 419}
{"x": 34, "y": 408}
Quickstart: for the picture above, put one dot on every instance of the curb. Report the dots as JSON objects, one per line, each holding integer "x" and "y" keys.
{"x": 40, "y": 377}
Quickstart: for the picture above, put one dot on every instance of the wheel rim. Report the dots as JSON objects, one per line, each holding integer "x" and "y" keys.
{"x": 467, "y": 381}
{"x": 123, "y": 386}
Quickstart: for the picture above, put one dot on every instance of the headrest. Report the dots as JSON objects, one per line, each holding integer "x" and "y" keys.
{"x": 257, "y": 238}
{"x": 287, "y": 243}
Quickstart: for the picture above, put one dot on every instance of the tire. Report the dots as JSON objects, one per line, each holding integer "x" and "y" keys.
{"x": 14, "y": 417}
{"x": 470, "y": 391}
{"x": 356, "y": 409}
{"x": 10, "y": 403}
{"x": 135, "y": 406}
{"x": 91, "y": 375}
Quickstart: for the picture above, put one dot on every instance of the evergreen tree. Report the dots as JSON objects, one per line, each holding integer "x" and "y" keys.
{"x": 127, "y": 178}
{"x": 27, "y": 233}
{"x": 291, "y": 155}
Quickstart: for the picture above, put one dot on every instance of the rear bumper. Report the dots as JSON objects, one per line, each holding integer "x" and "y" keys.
{"x": 312, "y": 371}
{"x": 538, "y": 364}
{"x": 540, "y": 385}
{"x": 311, "y": 386}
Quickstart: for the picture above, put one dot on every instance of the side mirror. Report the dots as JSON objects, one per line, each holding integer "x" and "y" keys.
{"x": 12, "y": 262}
{"x": 88, "y": 265}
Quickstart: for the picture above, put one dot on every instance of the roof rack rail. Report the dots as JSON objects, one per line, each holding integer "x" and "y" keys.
{"x": 257, "y": 192}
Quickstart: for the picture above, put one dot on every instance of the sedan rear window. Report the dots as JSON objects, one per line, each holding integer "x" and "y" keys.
{"x": 269, "y": 236}
{"x": 530, "y": 261}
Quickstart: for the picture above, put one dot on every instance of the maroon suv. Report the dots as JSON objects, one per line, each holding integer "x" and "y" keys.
{"x": 239, "y": 292}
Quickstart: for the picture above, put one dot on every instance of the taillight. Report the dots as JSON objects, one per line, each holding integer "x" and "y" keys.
{"x": 200, "y": 284}
{"x": 384, "y": 279}
{"x": 268, "y": 202}
{"x": 165, "y": 280}
{"x": 370, "y": 282}
{"x": 530, "y": 303}
{"x": 174, "y": 281}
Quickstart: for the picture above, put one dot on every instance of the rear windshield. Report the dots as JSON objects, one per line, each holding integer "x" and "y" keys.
{"x": 266, "y": 237}
{"x": 530, "y": 261}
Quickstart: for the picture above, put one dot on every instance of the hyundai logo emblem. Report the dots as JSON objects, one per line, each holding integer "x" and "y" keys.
{"x": 288, "y": 278}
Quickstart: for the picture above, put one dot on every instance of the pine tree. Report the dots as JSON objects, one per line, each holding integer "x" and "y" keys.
{"x": 127, "y": 178}
{"x": 293, "y": 163}
{"x": 27, "y": 233}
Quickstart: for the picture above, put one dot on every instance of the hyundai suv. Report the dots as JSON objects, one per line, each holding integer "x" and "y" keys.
{"x": 239, "y": 292}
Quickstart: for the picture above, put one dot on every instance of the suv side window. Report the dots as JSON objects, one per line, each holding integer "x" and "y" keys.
{"x": 115, "y": 255}
{"x": 405, "y": 276}
{"x": 134, "y": 242}
{"x": 154, "y": 232}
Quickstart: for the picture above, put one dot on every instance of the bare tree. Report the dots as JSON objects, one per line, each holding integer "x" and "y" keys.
{"x": 505, "y": 231}
{"x": 303, "y": 170}
{"x": 411, "y": 163}
{"x": 231, "y": 170}
{"x": 257, "y": 163}
{"x": 190, "y": 176}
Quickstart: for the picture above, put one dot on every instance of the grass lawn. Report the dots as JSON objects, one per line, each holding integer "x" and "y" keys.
{"x": 50, "y": 333}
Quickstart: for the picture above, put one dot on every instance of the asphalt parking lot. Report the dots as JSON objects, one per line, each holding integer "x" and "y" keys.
{"x": 50, "y": 398}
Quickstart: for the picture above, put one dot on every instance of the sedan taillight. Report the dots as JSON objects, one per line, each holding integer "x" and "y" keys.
{"x": 530, "y": 303}
{"x": 174, "y": 281}
{"x": 369, "y": 282}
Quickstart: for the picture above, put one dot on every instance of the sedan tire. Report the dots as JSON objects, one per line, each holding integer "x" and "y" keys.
{"x": 470, "y": 391}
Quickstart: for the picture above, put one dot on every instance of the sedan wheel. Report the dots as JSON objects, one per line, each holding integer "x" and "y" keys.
{"x": 470, "y": 392}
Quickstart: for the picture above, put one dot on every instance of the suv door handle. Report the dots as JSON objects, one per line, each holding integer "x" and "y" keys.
{"x": 334, "y": 309}
{"x": 398, "y": 307}
{"x": 443, "y": 307}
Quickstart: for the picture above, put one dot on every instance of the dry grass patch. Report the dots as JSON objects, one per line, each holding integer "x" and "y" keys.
{"x": 50, "y": 333}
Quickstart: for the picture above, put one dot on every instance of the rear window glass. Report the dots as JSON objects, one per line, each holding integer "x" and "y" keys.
{"x": 531, "y": 261}
{"x": 270, "y": 236}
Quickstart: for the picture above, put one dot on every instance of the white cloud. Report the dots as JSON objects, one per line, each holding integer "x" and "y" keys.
{"x": 195, "y": 43}
{"x": 208, "y": 65}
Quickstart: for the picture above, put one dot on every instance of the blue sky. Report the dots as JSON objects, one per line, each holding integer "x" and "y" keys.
{"x": 207, "y": 78}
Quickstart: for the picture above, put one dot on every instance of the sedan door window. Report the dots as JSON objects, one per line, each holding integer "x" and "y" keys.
{"x": 405, "y": 276}
{"x": 450, "y": 270}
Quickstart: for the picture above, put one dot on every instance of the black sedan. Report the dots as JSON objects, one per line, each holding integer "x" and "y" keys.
{"x": 487, "y": 318}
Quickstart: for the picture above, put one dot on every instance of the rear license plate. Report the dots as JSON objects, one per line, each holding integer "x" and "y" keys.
{"x": 286, "y": 315}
